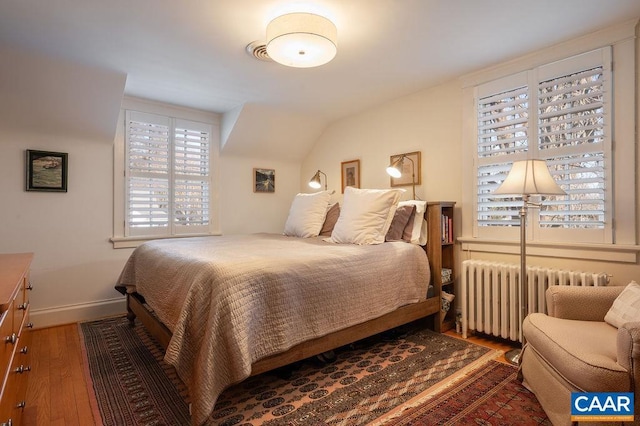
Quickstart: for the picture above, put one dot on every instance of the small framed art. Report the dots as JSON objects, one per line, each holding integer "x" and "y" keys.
{"x": 409, "y": 167}
{"x": 264, "y": 180}
{"x": 350, "y": 174}
{"x": 46, "y": 171}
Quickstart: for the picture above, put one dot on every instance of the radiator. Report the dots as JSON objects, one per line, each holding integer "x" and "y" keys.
{"x": 490, "y": 298}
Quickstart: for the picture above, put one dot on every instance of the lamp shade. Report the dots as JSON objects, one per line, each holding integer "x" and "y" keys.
{"x": 529, "y": 177}
{"x": 315, "y": 181}
{"x": 394, "y": 168}
{"x": 302, "y": 40}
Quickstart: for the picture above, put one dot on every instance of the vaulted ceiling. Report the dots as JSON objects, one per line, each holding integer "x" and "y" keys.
{"x": 192, "y": 53}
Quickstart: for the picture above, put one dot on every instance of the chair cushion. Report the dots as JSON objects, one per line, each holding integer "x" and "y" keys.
{"x": 582, "y": 352}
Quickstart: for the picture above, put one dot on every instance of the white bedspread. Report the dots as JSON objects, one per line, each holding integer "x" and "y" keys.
{"x": 233, "y": 300}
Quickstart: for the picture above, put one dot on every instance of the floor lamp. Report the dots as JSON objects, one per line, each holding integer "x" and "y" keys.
{"x": 526, "y": 178}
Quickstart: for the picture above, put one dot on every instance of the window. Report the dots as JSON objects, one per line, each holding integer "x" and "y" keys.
{"x": 167, "y": 175}
{"x": 560, "y": 113}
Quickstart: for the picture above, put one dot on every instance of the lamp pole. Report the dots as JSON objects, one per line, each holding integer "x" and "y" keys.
{"x": 513, "y": 356}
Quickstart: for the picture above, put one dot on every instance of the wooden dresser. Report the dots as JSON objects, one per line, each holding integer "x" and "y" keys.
{"x": 14, "y": 335}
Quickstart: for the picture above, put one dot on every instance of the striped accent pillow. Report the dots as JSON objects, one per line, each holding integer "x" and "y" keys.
{"x": 626, "y": 307}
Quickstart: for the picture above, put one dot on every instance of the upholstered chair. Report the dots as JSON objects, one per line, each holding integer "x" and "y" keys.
{"x": 573, "y": 348}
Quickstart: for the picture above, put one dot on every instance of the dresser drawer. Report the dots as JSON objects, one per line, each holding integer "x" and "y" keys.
{"x": 15, "y": 389}
{"x": 8, "y": 339}
{"x": 23, "y": 346}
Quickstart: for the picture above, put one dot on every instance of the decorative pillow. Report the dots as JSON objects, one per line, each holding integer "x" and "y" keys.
{"x": 626, "y": 307}
{"x": 399, "y": 223}
{"x": 365, "y": 215}
{"x": 307, "y": 214}
{"x": 419, "y": 231}
{"x": 330, "y": 221}
{"x": 408, "y": 229}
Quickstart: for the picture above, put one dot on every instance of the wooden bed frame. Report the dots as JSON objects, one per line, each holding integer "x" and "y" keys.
{"x": 137, "y": 308}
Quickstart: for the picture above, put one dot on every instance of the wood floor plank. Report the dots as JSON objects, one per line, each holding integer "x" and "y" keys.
{"x": 81, "y": 394}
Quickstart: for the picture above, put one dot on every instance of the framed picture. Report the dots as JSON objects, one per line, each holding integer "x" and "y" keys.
{"x": 264, "y": 180}
{"x": 350, "y": 174}
{"x": 46, "y": 171}
{"x": 412, "y": 160}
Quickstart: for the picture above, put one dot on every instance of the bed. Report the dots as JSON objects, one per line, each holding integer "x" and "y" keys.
{"x": 245, "y": 304}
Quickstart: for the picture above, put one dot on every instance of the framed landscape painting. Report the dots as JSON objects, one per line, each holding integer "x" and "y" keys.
{"x": 46, "y": 171}
{"x": 264, "y": 180}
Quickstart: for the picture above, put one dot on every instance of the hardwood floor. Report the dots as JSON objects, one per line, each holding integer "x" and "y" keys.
{"x": 57, "y": 392}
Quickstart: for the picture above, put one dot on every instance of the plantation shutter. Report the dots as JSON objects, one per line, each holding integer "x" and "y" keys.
{"x": 571, "y": 136}
{"x": 167, "y": 176}
{"x": 503, "y": 127}
{"x": 560, "y": 113}
{"x": 191, "y": 167}
{"x": 148, "y": 174}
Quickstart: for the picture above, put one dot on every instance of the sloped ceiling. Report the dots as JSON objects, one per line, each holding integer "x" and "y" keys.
{"x": 263, "y": 131}
{"x": 53, "y": 95}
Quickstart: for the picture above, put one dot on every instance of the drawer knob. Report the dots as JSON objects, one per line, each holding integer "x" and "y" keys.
{"x": 22, "y": 369}
{"x": 29, "y": 287}
{"x": 7, "y": 423}
{"x": 24, "y": 350}
{"x": 29, "y": 325}
{"x": 23, "y": 306}
{"x": 21, "y": 404}
{"x": 11, "y": 339}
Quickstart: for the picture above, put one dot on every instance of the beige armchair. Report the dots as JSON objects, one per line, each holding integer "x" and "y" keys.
{"x": 572, "y": 349}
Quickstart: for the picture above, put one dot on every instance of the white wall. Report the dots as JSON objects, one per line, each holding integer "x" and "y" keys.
{"x": 428, "y": 121}
{"x": 242, "y": 210}
{"x": 75, "y": 267}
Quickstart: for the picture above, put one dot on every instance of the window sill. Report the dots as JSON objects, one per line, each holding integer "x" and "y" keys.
{"x": 132, "y": 242}
{"x": 622, "y": 253}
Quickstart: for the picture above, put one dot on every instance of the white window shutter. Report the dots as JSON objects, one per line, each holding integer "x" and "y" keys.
{"x": 571, "y": 137}
{"x": 503, "y": 127}
{"x": 167, "y": 176}
{"x": 191, "y": 171}
{"x": 561, "y": 115}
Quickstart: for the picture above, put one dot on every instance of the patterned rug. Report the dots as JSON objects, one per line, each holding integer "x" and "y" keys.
{"x": 365, "y": 381}
{"x": 488, "y": 396}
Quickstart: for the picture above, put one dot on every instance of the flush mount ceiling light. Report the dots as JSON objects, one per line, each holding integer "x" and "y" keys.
{"x": 301, "y": 40}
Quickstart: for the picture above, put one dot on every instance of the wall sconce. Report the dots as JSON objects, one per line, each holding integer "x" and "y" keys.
{"x": 395, "y": 169}
{"x": 301, "y": 40}
{"x": 315, "y": 181}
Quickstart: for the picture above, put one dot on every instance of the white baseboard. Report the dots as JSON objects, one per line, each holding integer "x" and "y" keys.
{"x": 68, "y": 314}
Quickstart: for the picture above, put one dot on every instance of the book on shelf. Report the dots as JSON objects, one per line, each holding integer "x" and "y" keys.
{"x": 447, "y": 229}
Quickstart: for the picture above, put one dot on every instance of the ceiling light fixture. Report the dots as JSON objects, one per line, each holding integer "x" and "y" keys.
{"x": 301, "y": 40}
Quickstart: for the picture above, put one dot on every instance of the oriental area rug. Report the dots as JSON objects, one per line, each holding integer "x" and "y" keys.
{"x": 406, "y": 376}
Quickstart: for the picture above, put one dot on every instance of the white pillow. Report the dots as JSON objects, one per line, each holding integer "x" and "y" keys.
{"x": 307, "y": 214}
{"x": 626, "y": 307}
{"x": 419, "y": 233}
{"x": 365, "y": 215}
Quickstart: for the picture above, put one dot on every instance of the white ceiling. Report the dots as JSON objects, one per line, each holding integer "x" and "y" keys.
{"x": 192, "y": 52}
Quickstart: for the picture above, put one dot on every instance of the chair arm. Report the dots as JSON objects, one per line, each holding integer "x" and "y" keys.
{"x": 581, "y": 303}
{"x": 628, "y": 347}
